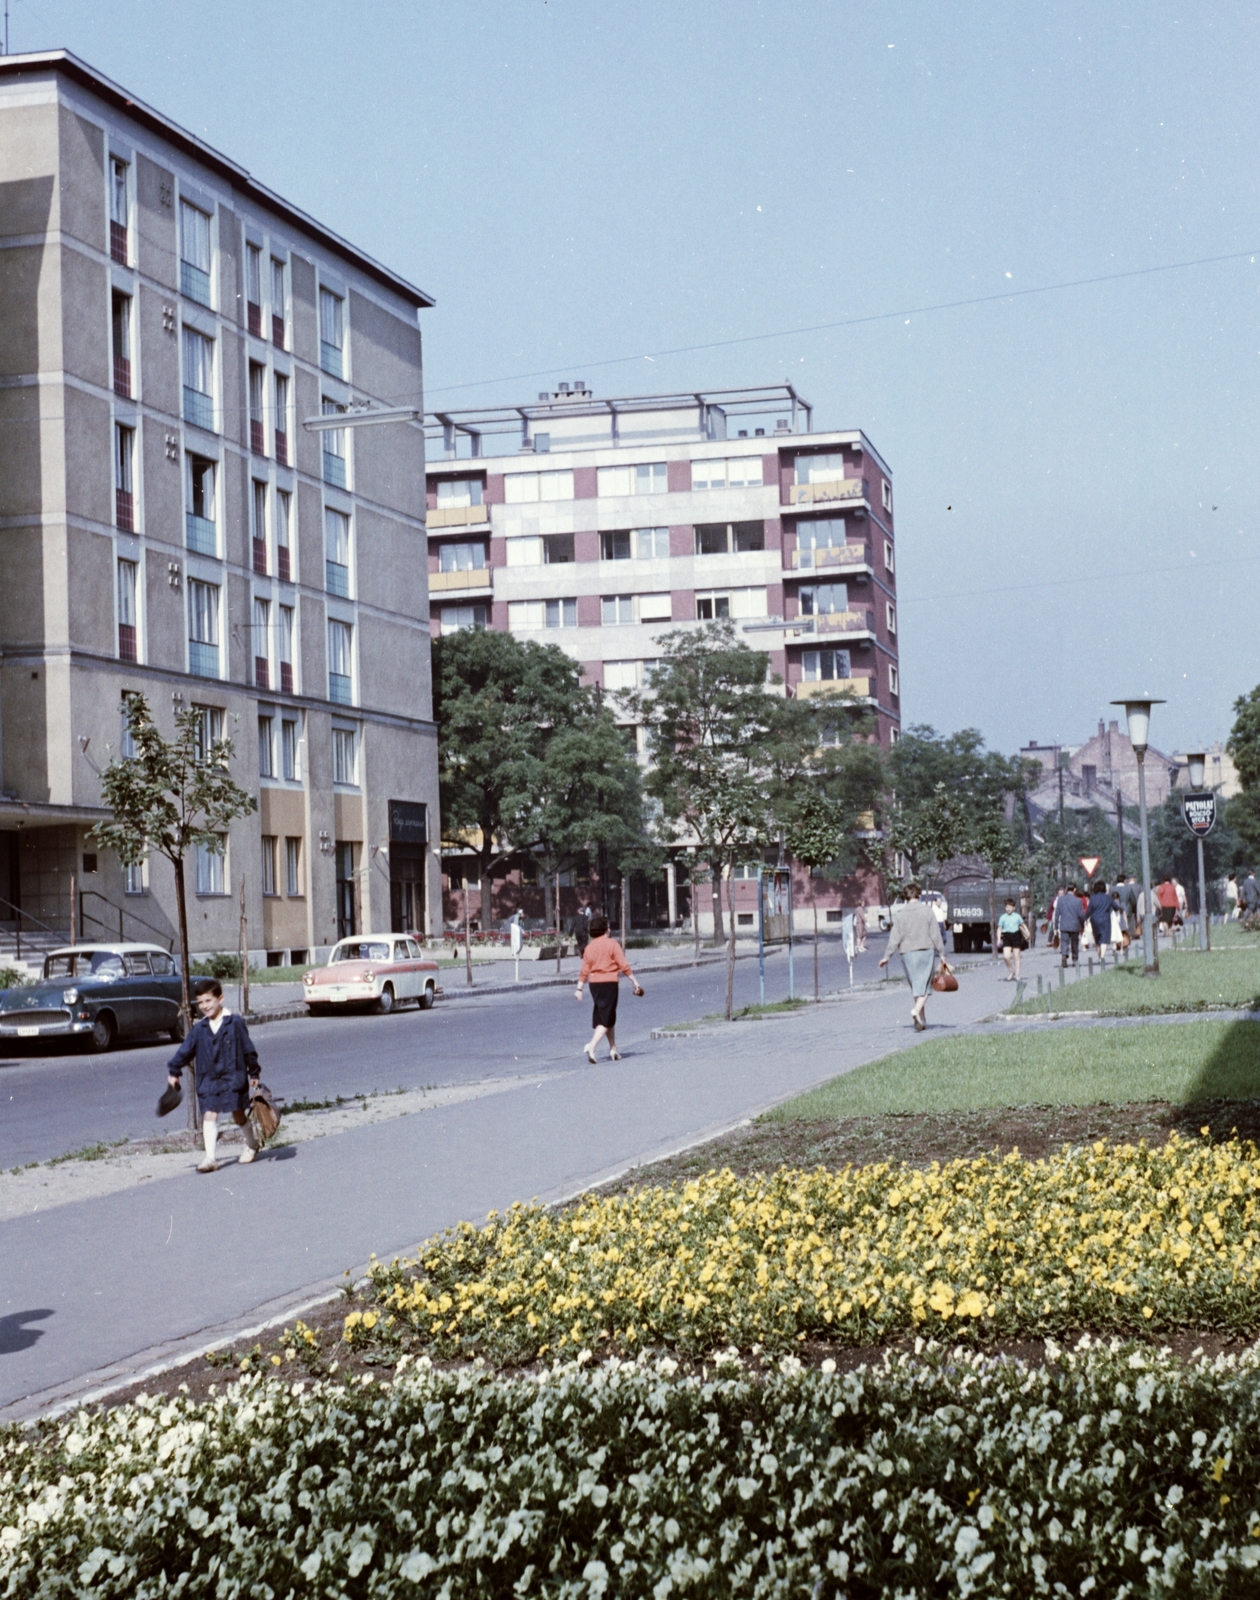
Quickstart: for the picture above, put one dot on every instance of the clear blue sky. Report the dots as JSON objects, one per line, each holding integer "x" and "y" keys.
{"x": 1076, "y": 471}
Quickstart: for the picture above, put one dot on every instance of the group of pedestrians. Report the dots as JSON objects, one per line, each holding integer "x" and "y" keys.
{"x": 1242, "y": 899}
{"x": 1112, "y": 918}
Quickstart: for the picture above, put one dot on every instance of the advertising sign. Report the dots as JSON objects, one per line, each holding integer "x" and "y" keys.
{"x": 1199, "y": 810}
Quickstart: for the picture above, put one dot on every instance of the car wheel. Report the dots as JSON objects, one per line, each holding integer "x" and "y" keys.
{"x": 103, "y": 1032}
{"x": 385, "y": 1004}
{"x": 318, "y": 1011}
{"x": 180, "y": 1031}
{"x": 426, "y": 999}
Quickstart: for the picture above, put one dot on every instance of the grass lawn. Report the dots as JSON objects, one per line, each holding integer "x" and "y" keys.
{"x": 1177, "y": 1063}
{"x": 1188, "y": 980}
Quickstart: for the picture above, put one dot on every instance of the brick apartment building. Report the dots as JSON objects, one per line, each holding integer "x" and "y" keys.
{"x": 617, "y": 519}
{"x": 166, "y": 325}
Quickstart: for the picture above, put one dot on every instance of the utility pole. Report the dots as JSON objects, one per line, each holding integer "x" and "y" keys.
{"x": 1120, "y": 826}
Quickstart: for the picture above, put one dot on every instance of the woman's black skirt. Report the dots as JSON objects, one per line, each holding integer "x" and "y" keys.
{"x": 604, "y": 1005}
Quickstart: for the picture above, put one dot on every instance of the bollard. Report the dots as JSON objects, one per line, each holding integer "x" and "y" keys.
{"x": 1039, "y": 983}
{"x": 1062, "y": 976}
{"x": 1091, "y": 966}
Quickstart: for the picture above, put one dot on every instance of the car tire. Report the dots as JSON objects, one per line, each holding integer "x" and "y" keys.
{"x": 318, "y": 1011}
{"x": 385, "y": 1001}
{"x": 104, "y": 1032}
{"x": 427, "y": 998}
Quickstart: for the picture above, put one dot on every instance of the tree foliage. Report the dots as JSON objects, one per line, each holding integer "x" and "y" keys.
{"x": 949, "y": 797}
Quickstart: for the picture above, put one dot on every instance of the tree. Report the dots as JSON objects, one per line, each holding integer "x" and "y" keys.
{"x": 170, "y": 796}
{"x": 1174, "y": 851}
{"x": 818, "y": 835}
{"x": 1244, "y": 809}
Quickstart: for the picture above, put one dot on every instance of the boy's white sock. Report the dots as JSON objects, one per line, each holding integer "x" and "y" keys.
{"x": 251, "y": 1138}
{"x": 210, "y": 1134}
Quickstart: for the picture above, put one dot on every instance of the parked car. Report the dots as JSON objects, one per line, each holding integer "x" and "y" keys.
{"x": 97, "y": 993}
{"x": 376, "y": 970}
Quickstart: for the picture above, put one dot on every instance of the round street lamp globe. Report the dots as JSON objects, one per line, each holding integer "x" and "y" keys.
{"x": 1138, "y": 714}
{"x": 1197, "y": 764}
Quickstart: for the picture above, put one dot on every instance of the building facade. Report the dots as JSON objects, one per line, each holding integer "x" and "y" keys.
{"x": 171, "y": 529}
{"x": 613, "y": 521}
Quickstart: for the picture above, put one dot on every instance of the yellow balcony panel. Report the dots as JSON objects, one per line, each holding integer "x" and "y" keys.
{"x": 835, "y": 489}
{"x": 834, "y": 556}
{"x": 456, "y": 516}
{"x": 845, "y": 622}
{"x": 861, "y": 687}
{"x": 460, "y": 582}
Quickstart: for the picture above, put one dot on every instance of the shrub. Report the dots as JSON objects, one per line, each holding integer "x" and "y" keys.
{"x": 219, "y": 965}
{"x": 1110, "y": 1472}
{"x": 12, "y": 978}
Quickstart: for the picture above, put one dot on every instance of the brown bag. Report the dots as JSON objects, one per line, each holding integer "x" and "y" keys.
{"x": 265, "y": 1113}
{"x": 945, "y": 982}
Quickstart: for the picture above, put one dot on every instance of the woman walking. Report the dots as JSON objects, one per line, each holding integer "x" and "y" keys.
{"x": 226, "y": 1066}
{"x": 916, "y": 934}
{"x": 1013, "y": 931}
{"x": 1101, "y": 905}
{"x": 603, "y": 962}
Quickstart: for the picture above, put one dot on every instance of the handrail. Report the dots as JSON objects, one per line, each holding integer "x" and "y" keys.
{"x": 56, "y": 932}
{"x": 123, "y": 911}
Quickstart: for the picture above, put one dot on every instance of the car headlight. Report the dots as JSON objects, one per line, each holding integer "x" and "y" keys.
{"x": 309, "y": 978}
{"x": 368, "y": 976}
{"x": 69, "y": 996}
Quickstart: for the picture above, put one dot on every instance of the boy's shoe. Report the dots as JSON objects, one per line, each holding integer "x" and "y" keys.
{"x": 207, "y": 1166}
{"x": 246, "y": 1156}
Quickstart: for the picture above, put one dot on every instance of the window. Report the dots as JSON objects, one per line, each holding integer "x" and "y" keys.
{"x": 279, "y": 303}
{"x": 209, "y": 732}
{"x": 257, "y": 432}
{"x": 741, "y": 472}
{"x": 332, "y": 332}
{"x": 887, "y": 494}
{"x": 293, "y": 867}
{"x": 119, "y": 208}
{"x": 334, "y": 445}
{"x": 198, "y": 380}
{"x": 620, "y": 676}
{"x": 200, "y": 519}
{"x": 124, "y": 455}
{"x": 524, "y": 615}
{"x": 894, "y": 682}
{"x": 710, "y": 606}
{"x": 614, "y": 546}
{"x": 290, "y": 753}
{"x": 890, "y": 616}
{"x": 823, "y": 533}
{"x": 285, "y": 643}
{"x": 253, "y": 289}
{"x": 889, "y": 559}
{"x": 345, "y": 755}
{"x": 258, "y": 526}
{"x": 208, "y": 867}
{"x": 461, "y": 557}
{"x": 459, "y": 492}
{"x": 136, "y": 877}
{"x": 651, "y": 544}
{"x": 203, "y": 628}
{"x": 268, "y": 864}
{"x": 340, "y": 662}
{"x": 267, "y": 746}
{"x": 194, "y": 253}
{"x": 120, "y": 323}
{"x": 825, "y": 666}
{"x": 126, "y": 610}
{"x": 823, "y": 599}
{"x": 655, "y": 608}
{"x": 616, "y": 609}
{"x": 127, "y": 738}
{"x": 720, "y": 538}
{"x": 646, "y": 478}
{"x": 336, "y": 552}
{"x": 284, "y": 568}
{"x": 520, "y": 488}
{"x": 282, "y": 419}
{"x": 454, "y": 618}
{"x": 894, "y": 737}
{"x": 540, "y": 550}
{"x": 262, "y": 643}
{"x": 823, "y": 468}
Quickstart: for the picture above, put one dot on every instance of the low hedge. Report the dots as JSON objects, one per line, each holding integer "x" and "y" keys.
{"x": 1113, "y": 1238}
{"x": 1110, "y": 1471}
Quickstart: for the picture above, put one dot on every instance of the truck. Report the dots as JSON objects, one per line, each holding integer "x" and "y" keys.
{"x": 972, "y": 902}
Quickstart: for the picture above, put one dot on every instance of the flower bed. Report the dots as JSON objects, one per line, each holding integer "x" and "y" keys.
{"x": 1114, "y": 1472}
{"x": 1111, "y": 1238}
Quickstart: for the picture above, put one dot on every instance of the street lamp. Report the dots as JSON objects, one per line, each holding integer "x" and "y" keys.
{"x": 1197, "y": 764}
{"x": 1138, "y": 716}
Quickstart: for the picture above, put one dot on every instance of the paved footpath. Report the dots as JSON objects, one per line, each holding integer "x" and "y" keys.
{"x": 106, "y": 1289}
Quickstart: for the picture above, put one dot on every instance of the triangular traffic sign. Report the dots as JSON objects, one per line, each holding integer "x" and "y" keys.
{"x": 1091, "y": 864}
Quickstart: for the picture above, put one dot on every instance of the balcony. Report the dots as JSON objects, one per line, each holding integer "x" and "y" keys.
{"x": 282, "y": 449}
{"x": 283, "y": 570}
{"x": 194, "y": 283}
{"x": 465, "y": 582}
{"x": 854, "y": 558}
{"x": 255, "y": 320}
{"x": 339, "y": 689}
{"x": 834, "y": 492}
{"x": 456, "y": 516}
{"x": 334, "y": 470}
{"x": 257, "y": 437}
{"x": 203, "y": 659}
{"x": 846, "y": 622}
{"x": 122, "y": 377}
{"x": 118, "y": 242}
{"x": 859, "y": 688}
{"x": 201, "y": 536}
{"x": 124, "y": 511}
{"x": 199, "y": 409}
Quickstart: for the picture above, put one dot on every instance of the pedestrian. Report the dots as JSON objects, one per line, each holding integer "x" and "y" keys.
{"x": 603, "y": 962}
{"x": 940, "y": 911}
{"x": 1013, "y": 932}
{"x": 1101, "y": 905}
{"x": 582, "y": 927}
{"x": 1231, "y": 898}
{"x": 1249, "y": 894}
{"x": 1129, "y": 906}
{"x": 1069, "y": 916}
{"x": 1166, "y": 900}
{"x": 226, "y": 1065}
{"x": 859, "y": 929}
{"x": 916, "y": 934}
{"x": 1183, "y": 903}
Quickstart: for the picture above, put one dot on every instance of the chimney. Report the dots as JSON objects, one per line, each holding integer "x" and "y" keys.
{"x": 1101, "y": 730}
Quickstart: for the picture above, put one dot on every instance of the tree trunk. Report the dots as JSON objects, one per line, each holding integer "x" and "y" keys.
{"x": 467, "y": 936}
{"x": 625, "y": 909}
{"x": 185, "y": 1006}
{"x": 730, "y": 951}
{"x": 719, "y": 932}
{"x": 813, "y": 900}
{"x": 546, "y": 889}
{"x": 693, "y": 890}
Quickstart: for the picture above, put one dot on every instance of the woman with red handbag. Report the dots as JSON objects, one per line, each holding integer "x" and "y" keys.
{"x": 916, "y": 935}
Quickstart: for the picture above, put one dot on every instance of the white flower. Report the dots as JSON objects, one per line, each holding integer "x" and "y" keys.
{"x": 419, "y": 1564}
{"x": 310, "y": 1566}
{"x": 965, "y": 1542}
{"x": 360, "y": 1556}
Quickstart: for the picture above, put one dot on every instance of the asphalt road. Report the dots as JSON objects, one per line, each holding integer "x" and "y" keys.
{"x": 52, "y": 1104}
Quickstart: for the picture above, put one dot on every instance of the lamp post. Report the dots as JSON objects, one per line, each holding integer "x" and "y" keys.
{"x": 1197, "y": 763}
{"x": 1138, "y": 715}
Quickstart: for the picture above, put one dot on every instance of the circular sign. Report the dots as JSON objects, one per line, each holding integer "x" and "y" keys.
{"x": 1199, "y": 810}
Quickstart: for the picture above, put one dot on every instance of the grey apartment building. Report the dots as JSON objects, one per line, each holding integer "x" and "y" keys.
{"x": 170, "y": 528}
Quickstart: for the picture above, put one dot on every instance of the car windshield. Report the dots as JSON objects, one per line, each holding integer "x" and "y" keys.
{"x": 84, "y": 964}
{"x": 360, "y": 950}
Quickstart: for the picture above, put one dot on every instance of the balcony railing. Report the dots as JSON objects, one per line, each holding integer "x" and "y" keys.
{"x": 126, "y": 642}
{"x": 334, "y": 470}
{"x": 282, "y": 448}
{"x": 456, "y": 516}
{"x": 286, "y": 677}
{"x": 255, "y": 320}
{"x": 277, "y": 331}
{"x": 337, "y": 579}
{"x": 816, "y": 494}
{"x": 124, "y": 511}
{"x": 199, "y": 409}
{"x": 203, "y": 659}
{"x": 339, "y": 689}
{"x": 262, "y": 673}
{"x": 845, "y": 622}
{"x": 122, "y": 377}
{"x": 861, "y": 687}
{"x": 257, "y": 437}
{"x": 201, "y": 535}
{"x": 283, "y": 570}
{"x": 260, "y": 557}
{"x": 330, "y": 359}
{"x": 194, "y": 283}
{"x": 842, "y": 555}
{"x": 469, "y": 578}
{"x": 118, "y": 241}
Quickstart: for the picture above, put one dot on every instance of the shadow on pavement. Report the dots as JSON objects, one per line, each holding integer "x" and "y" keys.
{"x": 1226, "y": 1094}
{"x": 14, "y": 1336}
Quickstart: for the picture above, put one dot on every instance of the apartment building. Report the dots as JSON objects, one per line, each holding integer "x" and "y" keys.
{"x": 600, "y": 524}
{"x": 167, "y": 324}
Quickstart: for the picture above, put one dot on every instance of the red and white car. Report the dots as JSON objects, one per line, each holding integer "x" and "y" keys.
{"x": 375, "y": 970}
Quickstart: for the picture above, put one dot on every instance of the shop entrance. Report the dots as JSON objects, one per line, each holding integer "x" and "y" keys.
{"x": 408, "y": 852}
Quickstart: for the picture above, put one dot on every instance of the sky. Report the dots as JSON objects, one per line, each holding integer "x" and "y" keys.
{"x": 786, "y": 191}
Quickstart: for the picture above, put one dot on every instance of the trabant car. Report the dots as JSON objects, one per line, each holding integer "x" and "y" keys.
{"x": 97, "y": 993}
{"x": 376, "y": 970}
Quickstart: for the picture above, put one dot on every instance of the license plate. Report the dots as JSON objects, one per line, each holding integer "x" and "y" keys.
{"x": 27, "y": 1033}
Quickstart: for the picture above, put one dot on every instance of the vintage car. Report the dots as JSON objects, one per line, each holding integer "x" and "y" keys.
{"x": 372, "y": 969}
{"x": 97, "y": 993}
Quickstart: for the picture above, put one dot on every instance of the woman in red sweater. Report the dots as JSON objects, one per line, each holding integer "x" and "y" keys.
{"x": 603, "y": 963}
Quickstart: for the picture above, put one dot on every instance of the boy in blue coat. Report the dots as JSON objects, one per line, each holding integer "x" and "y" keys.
{"x": 227, "y": 1069}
